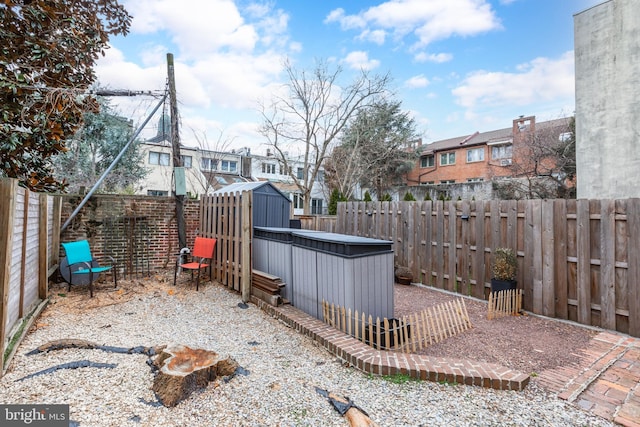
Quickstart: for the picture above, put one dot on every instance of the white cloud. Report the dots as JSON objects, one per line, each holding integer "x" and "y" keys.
{"x": 427, "y": 21}
{"x": 225, "y": 59}
{"x": 417, "y": 82}
{"x": 542, "y": 79}
{"x": 438, "y": 58}
{"x": 199, "y": 27}
{"x": 359, "y": 60}
{"x": 375, "y": 36}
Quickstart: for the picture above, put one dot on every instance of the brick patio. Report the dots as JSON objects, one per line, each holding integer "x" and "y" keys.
{"x": 380, "y": 362}
{"x": 605, "y": 380}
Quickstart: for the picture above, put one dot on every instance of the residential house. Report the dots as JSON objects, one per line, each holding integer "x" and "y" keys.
{"x": 205, "y": 170}
{"x": 270, "y": 168}
{"x": 487, "y": 156}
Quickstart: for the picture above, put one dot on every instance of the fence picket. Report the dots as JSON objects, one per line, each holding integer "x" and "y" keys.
{"x": 412, "y": 332}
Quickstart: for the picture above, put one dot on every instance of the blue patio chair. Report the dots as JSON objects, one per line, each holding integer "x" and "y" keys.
{"x": 80, "y": 268}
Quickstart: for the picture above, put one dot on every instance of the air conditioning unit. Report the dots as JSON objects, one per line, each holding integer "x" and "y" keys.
{"x": 505, "y": 162}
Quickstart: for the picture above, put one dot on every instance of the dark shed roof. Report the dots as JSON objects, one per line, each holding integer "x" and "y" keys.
{"x": 271, "y": 207}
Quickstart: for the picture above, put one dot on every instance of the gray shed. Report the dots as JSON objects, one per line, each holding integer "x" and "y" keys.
{"x": 350, "y": 271}
{"x": 271, "y": 207}
{"x": 272, "y": 254}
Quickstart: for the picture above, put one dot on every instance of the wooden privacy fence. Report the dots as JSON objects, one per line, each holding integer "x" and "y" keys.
{"x": 577, "y": 259}
{"x": 29, "y": 240}
{"x": 228, "y": 218}
{"x": 408, "y": 334}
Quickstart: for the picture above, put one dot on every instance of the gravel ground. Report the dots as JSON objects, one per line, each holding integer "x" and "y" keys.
{"x": 284, "y": 368}
{"x": 529, "y": 344}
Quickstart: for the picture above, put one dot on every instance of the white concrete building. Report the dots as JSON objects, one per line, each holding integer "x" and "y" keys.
{"x": 607, "y": 70}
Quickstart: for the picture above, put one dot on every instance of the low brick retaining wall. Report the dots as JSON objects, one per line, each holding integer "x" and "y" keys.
{"x": 380, "y": 362}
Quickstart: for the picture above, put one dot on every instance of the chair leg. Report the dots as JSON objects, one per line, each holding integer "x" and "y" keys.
{"x": 198, "y": 280}
{"x": 175, "y": 274}
{"x": 115, "y": 276}
{"x": 90, "y": 284}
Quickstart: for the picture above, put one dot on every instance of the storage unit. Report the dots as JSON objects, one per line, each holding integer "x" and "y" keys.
{"x": 350, "y": 271}
{"x": 272, "y": 254}
{"x": 271, "y": 207}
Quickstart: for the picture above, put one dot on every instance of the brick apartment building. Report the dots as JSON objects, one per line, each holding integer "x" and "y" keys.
{"x": 484, "y": 156}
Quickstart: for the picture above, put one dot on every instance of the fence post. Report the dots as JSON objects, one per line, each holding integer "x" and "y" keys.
{"x": 247, "y": 231}
{"x": 8, "y": 188}
{"x": 43, "y": 253}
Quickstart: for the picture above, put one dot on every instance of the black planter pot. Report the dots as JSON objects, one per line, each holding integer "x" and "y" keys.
{"x": 498, "y": 285}
{"x": 401, "y": 280}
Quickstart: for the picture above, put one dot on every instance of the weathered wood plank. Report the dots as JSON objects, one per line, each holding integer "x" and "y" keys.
{"x": 633, "y": 259}
{"x": 548, "y": 258}
{"x": 439, "y": 246}
{"x": 452, "y": 284}
{"x": 583, "y": 245}
{"x": 560, "y": 249}
{"x": 43, "y": 253}
{"x": 525, "y": 274}
{"x": 8, "y": 189}
{"x": 607, "y": 265}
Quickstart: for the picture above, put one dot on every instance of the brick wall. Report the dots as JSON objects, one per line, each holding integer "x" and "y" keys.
{"x": 139, "y": 231}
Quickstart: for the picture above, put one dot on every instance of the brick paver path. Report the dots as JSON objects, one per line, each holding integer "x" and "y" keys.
{"x": 605, "y": 380}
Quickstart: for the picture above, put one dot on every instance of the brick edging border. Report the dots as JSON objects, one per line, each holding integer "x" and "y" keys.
{"x": 381, "y": 362}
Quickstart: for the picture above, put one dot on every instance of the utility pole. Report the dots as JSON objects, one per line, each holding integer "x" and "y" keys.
{"x": 175, "y": 144}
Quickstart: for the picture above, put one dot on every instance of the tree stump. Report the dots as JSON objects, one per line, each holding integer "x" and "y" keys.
{"x": 182, "y": 370}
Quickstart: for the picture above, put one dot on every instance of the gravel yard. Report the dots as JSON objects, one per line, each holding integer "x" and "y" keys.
{"x": 284, "y": 368}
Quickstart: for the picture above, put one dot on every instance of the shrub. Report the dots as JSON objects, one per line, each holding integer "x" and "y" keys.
{"x": 505, "y": 264}
{"x": 408, "y": 197}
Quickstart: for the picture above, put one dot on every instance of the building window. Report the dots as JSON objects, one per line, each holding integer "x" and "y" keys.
{"x": 447, "y": 159}
{"x": 448, "y": 181}
{"x": 268, "y": 168}
{"x": 156, "y": 158}
{"x": 475, "y": 155}
{"x": 427, "y": 161}
{"x": 501, "y": 151}
{"x": 208, "y": 164}
{"x": 186, "y": 161}
{"x": 157, "y": 193}
{"x": 320, "y": 176}
{"x": 298, "y": 201}
{"x": 565, "y": 136}
{"x": 475, "y": 179}
{"x": 229, "y": 166}
{"x": 316, "y": 206}
{"x": 300, "y": 173}
{"x": 285, "y": 170}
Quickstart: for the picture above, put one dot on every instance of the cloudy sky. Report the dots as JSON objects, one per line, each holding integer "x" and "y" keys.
{"x": 458, "y": 66}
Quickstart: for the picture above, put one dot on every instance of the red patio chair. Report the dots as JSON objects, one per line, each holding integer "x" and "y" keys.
{"x": 202, "y": 251}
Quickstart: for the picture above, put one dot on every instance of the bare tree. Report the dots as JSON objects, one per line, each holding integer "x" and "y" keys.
{"x": 311, "y": 114}
{"x": 543, "y": 165}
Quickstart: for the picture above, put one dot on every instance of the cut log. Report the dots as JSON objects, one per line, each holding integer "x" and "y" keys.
{"x": 84, "y": 344}
{"x": 182, "y": 370}
{"x": 70, "y": 365}
{"x": 355, "y": 415}
{"x": 274, "y": 300}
